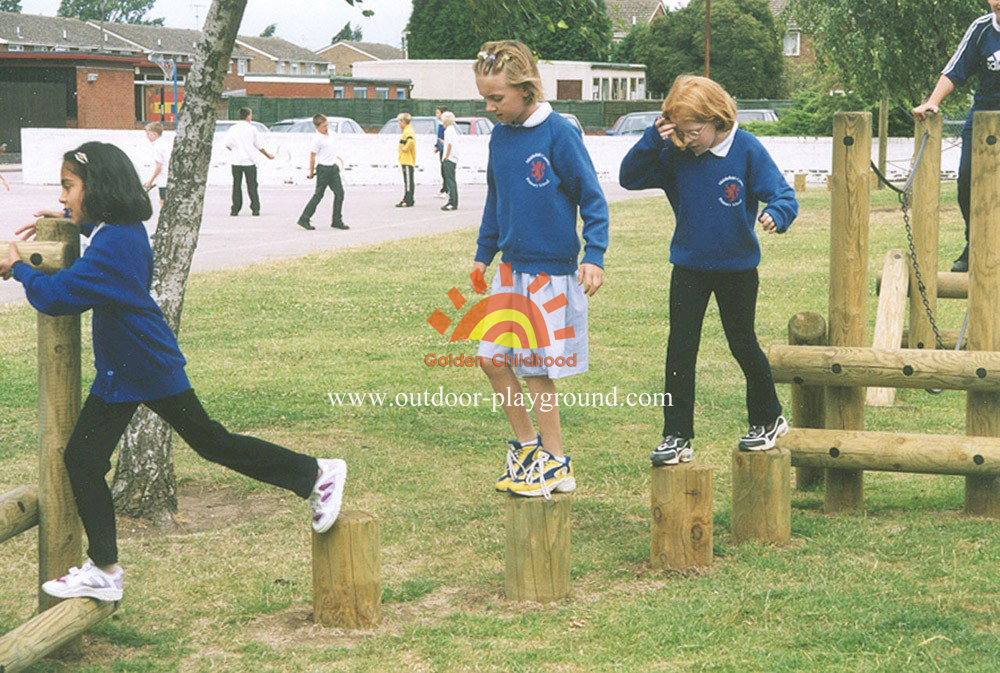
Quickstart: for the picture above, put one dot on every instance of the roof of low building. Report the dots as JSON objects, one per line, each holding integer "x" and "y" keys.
{"x": 57, "y": 32}
{"x": 377, "y": 50}
{"x": 279, "y": 49}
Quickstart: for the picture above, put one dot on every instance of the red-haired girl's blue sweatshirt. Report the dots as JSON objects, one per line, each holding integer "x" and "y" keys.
{"x": 537, "y": 175}
{"x": 135, "y": 352}
{"x": 714, "y": 198}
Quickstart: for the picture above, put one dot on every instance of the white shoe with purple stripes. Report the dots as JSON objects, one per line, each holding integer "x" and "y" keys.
{"x": 328, "y": 493}
{"x": 88, "y": 581}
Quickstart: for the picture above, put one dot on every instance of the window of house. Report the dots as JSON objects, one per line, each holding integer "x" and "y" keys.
{"x": 596, "y": 91}
{"x": 281, "y": 67}
{"x": 338, "y": 92}
{"x": 295, "y": 68}
{"x": 793, "y": 40}
{"x": 400, "y": 93}
{"x": 361, "y": 92}
{"x": 382, "y": 92}
{"x": 241, "y": 66}
{"x": 312, "y": 68}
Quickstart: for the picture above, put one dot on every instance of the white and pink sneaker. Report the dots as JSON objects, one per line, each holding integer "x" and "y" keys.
{"x": 328, "y": 493}
{"x": 88, "y": 581}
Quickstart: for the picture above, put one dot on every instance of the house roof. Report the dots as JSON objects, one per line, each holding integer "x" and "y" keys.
{"x": 378, "y": 51}
{"x": 278, "y": 49}
{"x": 57, "y": 32}
{"x": 621, "y": 13}
{"x": 161, "y": 39}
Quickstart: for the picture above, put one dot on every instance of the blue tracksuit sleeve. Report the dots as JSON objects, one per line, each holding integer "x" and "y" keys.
{"x": 578, "y": 178}
{"x": 89, "y": 282}
{"x": 965, "y": 60}
{"x": 489, "y": 228}
{"x": 648, "y": 164}
{"x": 768, "y": 185}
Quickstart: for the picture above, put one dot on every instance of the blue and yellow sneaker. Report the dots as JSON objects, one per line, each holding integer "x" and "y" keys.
{"x": 544, "y": 474}
{"x": 518, "y": 457}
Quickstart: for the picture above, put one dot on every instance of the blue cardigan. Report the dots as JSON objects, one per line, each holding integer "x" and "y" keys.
{"x": 715, "y": 199}
{"x": 135, "y": 352}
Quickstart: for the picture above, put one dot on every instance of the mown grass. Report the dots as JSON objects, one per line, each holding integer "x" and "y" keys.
{"x": 910, "y": 584}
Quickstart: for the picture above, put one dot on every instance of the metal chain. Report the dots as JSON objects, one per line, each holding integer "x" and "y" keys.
{"x": 904, "y": 204}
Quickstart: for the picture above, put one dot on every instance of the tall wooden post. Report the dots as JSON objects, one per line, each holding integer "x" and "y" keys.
{"x": 925, "y": 222}
{"x": 59, "y": 531}
{"x": 883, "y": 137}
{"x": 807, "y": 329}
{"x": 845, "y": 407}
{"x": 681, "y": 526}
{"x": 982, "y": 417}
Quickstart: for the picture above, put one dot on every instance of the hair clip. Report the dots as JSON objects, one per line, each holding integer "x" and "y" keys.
{"x": 81, "y": 157}
{"x": 487, "y": 57}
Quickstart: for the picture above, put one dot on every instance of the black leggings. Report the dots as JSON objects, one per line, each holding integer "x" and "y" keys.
{"x": 736, "y": 295}
{"x": 101, "y": 424}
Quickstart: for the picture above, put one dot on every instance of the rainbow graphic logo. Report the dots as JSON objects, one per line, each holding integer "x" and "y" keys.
{"x": 505, "y": 318}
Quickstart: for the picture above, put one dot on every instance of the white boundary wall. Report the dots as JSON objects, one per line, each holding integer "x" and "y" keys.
{"x": 371, "y": 159}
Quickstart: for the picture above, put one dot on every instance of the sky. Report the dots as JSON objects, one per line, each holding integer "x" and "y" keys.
{"x": 307, "y": 23}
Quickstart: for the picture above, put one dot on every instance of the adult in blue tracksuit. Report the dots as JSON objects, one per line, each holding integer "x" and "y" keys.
{"x": 138, "y": 361}
{"x": 714, "y": 176}
{"x": 978, "y": 54}
{"x": 439, "y": 145}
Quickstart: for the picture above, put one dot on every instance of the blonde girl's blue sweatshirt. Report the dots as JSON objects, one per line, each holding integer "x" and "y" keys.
{"x": 135, "y": 352}
{"x": 715, "y": 198}
{"x": 537, "y": 176}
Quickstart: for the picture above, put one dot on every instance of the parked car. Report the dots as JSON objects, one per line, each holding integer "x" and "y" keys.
{"x": 421, "y": 125}
{"x": 223, "y": 125}
{"x": 574, "y": 120}
{"x": 743, "y": 116}
{"x": 633, "y": 123}
{"x": 474, "y": 126}
{"x": 305, "y": 125}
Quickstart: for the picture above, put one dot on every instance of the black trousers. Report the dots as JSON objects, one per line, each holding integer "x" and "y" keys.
{"x": 251, "y": 175}
{"x": 101, "y": 424}
{"x": 736, "y": 295}
{"x": 326, "y": 177}
{"x": 408, "y": 186}
{"x": 444, "y": 180}
{"x": 450, "y": 184}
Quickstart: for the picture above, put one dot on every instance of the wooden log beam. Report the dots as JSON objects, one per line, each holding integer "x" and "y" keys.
{"x": 46, "y": 256}
{"x": 950, "y": 285}
{"x": 890, "y": 319}
{"x": 982, "y": 415}
{"x": 18, "y": 511}
{"x": 893, "y": 452}
{"x": 537, "y": 548}
{"x": 899, "y": 368}
{"x": 49, "y": 631}
{"x": 681, "y": 523}
{"x": 347, "y": 586}
{"x": 807, "y": 329}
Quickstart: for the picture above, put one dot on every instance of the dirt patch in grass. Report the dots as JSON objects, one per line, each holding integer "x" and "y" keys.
{"x": 206, "y": 507}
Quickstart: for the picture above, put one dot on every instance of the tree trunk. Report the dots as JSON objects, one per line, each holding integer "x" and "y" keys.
{"x": 144, "y": 484}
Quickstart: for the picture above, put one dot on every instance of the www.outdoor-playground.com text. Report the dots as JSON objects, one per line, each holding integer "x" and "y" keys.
{"x": 530, "y": 401}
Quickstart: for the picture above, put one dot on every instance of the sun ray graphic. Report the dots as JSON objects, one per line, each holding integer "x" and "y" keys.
{"x": 505, "y": 318}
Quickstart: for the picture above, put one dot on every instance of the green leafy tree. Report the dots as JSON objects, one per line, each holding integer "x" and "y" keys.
{"x": 441, "y": 29}
{"x": 116, "y": 11}
{"x": 348, "y": 33}
{"x": 624, "y": 51}
{"x": 269, "y": 31}
{"x": 746, "y": 47}
{"x": 894, "y": 48}
{"x": 10, "y": 6}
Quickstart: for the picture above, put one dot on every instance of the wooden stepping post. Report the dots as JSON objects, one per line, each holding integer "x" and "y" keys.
{"x": 681, "y": 526}
{"x": 537, "y": 558}
{"x": 347, "y": 589}
{"x": 800, "y": 183}
{"x": 762, "y": 502}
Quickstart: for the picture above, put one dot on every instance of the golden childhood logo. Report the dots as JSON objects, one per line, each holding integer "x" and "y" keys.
{"x": 505, "y": 318}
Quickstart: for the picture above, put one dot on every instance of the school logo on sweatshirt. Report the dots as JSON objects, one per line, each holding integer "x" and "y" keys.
{"x": 732, "y": 191}
{"x": 538, "y": 170}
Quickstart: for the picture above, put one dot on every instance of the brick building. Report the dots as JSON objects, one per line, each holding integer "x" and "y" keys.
{"x": 344, "y": 54}
{"x": 391, "y": 88}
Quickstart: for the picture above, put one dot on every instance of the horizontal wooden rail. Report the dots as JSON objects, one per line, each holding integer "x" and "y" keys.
{"x": 47, "y": 256}
{"x": 950, "y": 285}
{"x": 893, "y": 452}
{"x": 899, "y": 368}
{"x": 49, "y": 631}
{"x": 18, "y": 511}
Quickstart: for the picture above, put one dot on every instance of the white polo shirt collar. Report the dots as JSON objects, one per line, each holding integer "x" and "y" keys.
{"x": 722, "y": 149}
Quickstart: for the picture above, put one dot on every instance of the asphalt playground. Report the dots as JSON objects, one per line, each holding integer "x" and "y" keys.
{"x": 228, "y": 242}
